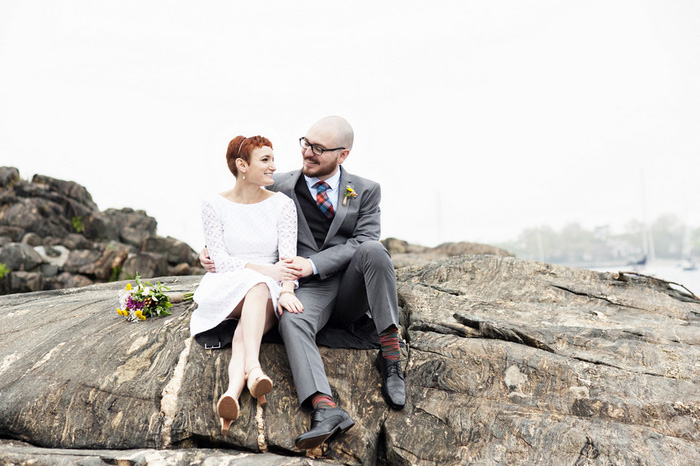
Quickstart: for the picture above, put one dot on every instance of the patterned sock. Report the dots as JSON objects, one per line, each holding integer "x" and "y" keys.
{"x": 321, "y": 401}
{"x": 389, "y": 339}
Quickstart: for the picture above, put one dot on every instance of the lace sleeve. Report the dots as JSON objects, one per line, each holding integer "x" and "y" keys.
{"x": 287, "y": 230}
{"x": 214, "y": 239}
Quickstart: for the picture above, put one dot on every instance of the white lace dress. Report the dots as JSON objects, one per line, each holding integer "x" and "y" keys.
{"x": 237, "y": 234}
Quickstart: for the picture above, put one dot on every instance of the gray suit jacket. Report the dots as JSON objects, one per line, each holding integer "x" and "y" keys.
{"x": 354, "y": 223}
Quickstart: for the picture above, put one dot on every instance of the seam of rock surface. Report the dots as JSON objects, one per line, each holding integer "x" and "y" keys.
{"x": 260, "y": 424}
{"x": 441, "y": 289}
{"x": 602, "y": 363}
{"x": 168, "y": 403}
{"x": 602, "y": 298}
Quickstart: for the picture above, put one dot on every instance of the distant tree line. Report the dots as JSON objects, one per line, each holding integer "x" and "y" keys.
{"x": 666, "y": 238}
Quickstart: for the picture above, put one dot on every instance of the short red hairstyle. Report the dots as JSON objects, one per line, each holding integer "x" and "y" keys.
{"x": 241, "y": 147}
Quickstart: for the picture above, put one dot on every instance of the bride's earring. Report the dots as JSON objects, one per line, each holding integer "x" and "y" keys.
{"x": 244, "y": 177}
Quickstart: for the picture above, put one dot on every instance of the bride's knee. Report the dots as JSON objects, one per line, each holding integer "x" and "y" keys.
{"x": 261, "y": 290}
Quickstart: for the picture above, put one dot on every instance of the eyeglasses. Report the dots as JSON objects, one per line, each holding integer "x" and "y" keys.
{"x": 315, "y": 148}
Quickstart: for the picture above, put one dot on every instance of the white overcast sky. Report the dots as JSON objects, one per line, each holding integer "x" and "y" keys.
{"x": 479, "y": 118}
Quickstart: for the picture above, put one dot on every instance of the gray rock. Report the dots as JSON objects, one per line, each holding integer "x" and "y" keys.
{"x": 54, "y": 255}
{"x": 23, "y": 282}
{"x": 8, "y": 175}
{"x": 19, "y": 257}
{"x": 49, "y": 270}
{"x": 32, "y": 239}
{"x": 134, "y": 236}
{"x": 96, "y": 263}
{"x": 179, "y": 270}
{"x": 7, "y": 231}
{"x": 145, "y": 264}
{"x": 98, "y": 227}
{"x": 76, "y": 241}
{"x": 65, "y": 206}
{"x": 16, "y": 453}
{"x": 36, "y": 215}
{"x": 65, "y": 280}
{"x": 507, "y": 362}
{"x": 404, "y": 254}
{"x": 47, "y": 213}
{"x": 174, "y": 251}
{"x": 69, "y": 189}
{"x": 131, "y": 218}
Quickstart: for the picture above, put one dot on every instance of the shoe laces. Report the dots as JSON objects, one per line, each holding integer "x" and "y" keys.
{"x": 393, "y": 368}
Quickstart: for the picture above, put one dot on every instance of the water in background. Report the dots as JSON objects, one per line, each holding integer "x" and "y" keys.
{"x": 665, "y": 270}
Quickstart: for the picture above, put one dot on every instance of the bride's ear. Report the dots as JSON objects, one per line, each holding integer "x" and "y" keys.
{"x": 241, "y": 165}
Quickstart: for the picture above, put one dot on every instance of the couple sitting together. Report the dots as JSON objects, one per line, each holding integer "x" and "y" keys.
{"x": 303, "y": 254}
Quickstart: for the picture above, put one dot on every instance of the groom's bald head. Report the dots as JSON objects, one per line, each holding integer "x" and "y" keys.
{"x": 335, "y": 129}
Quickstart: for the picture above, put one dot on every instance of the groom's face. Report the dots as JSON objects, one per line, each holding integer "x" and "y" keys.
{"x": 319, "y": 166}
{"x": 325, "y": 165}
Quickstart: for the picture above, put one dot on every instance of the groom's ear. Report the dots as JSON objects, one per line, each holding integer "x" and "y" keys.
{"x": 343, "y": 155}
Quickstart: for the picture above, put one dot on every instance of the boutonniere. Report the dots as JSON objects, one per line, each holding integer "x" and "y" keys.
{"x": 349, "y": 193}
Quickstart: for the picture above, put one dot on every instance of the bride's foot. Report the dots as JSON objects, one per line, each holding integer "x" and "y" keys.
{"x": 227, "y": 408}
{"x": 259, "y": 385}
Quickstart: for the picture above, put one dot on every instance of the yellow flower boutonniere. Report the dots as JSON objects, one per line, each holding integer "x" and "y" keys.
{"x": 349, "y": 193}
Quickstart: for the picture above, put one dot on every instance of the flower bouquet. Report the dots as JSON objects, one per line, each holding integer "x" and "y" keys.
{"x": 146, "y": 300}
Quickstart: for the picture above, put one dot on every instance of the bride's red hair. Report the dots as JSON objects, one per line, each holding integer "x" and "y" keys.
{"x": 240, "y": 147}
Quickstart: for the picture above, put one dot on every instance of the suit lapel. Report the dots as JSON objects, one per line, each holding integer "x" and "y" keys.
{"x": 341, "y": 210}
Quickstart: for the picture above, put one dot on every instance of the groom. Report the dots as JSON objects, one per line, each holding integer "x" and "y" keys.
{"x": 345, "y": 271}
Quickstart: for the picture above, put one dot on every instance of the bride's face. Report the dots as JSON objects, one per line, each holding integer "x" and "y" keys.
{"x": 262, "y": 166}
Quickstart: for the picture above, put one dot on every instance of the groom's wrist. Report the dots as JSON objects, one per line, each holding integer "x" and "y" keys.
{"x": 313, "y": 267}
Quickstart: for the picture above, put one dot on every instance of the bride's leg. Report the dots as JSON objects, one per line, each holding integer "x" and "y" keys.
{"x": 236, "y": 367}
{"x": 255, "y": 322}
{"x": 228, "y": 406}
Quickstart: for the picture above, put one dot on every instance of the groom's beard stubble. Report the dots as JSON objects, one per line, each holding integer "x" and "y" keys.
{"x": 318, "y": 170}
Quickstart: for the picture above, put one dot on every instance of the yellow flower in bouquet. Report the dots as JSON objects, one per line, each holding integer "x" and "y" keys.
{"x": 146, "y": 300}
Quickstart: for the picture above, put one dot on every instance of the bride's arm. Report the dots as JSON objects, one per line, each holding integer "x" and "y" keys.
{"x": 287, "y": 249}
{"x": 284, "y": 271}
{"x": 213, "y": 227}
{"x": 287, "y": 231}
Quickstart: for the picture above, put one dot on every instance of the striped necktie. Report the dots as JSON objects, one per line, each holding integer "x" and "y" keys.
{"x": 322, "y": 199}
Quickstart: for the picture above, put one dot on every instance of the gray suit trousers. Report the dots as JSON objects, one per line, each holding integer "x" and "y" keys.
{"x": 369, "y": 282}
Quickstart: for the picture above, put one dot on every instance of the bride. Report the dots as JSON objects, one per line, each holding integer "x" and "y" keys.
{"x": 251, "y": 235}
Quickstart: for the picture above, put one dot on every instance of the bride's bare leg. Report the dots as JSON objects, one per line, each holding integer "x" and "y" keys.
{"x": 255, "y": 321}
{"x": 256, "y": 316}
{"x": 228, "y": 406}
{"x": 236, "y": 367}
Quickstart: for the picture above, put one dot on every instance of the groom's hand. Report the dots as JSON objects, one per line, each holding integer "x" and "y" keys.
{"x": 305, "y": 265}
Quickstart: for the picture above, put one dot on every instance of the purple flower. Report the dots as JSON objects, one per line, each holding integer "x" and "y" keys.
{"x": 132, "y": 304}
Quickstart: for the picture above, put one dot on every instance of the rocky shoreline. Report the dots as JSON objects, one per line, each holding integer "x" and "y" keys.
{"x": 53, "y": 236}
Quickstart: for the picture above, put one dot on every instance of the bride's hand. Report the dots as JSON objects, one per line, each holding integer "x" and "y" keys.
{"x": 290, "y": 302}
{"x": 284, "y": 271}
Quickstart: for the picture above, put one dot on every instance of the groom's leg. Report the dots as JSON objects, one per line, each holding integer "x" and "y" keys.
{"x": 299, "y": 334}
{"x": 368, "y": 283}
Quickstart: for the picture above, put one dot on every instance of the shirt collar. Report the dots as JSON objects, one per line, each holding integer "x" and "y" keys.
{"x": 333, "y": 181}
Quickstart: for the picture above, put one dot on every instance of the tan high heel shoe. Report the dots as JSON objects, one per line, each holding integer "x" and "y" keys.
{"x": 227, "y": 408}
{"x": 259, "y": 385}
